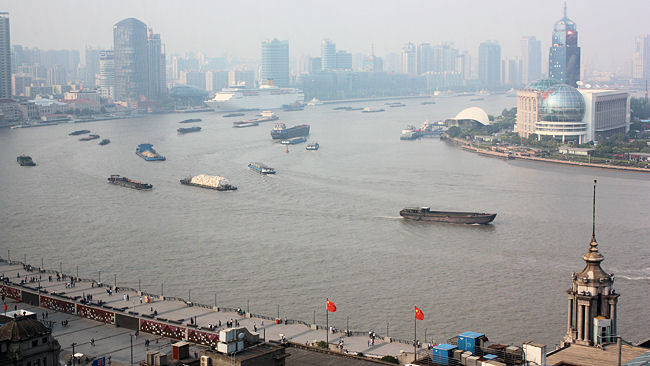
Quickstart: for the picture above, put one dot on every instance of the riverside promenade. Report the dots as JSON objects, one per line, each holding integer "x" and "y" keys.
{"x": 104, "y": 312}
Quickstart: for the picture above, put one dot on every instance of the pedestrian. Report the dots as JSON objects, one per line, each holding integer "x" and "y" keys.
{"x": 262, "y": 322}
{"x": 92, "y": 342}
{"x": 254, "y": 327}
{"x": 368, "y": 342}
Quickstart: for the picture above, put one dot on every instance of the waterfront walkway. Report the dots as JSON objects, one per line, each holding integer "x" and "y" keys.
{"x": 112, "y": 314}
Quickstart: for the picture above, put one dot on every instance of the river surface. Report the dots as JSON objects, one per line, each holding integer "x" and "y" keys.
{"x": 327, "y": 224}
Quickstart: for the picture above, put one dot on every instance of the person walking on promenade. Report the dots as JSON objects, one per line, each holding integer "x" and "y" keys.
{"x": 92, "y": 342}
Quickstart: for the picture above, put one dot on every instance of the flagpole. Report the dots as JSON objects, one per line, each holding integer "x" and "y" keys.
{"x": 327, "y": 327}
{"x": 415, "y": 336}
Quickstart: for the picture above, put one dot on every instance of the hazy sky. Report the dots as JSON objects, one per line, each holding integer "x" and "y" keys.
{"x": 236, "y": 27}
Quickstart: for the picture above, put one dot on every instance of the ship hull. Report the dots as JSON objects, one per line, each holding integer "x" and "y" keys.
{"x": 128, "y": 183}
{"x": 450, "y": 217}
{"x": 296, "y": 131}
{"x": 227, "y": 187}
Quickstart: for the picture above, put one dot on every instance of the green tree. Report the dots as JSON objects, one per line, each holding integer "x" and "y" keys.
{"x": 390, "y": 359}
{"x": 454, "y": 131}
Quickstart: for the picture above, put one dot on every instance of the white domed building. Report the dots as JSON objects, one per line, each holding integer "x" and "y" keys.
{"x": 469, "y": 117}
{"x": 547, "y": 107}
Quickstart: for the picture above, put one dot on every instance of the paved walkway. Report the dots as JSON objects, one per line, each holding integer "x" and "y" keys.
{"x": 81, "y": 330}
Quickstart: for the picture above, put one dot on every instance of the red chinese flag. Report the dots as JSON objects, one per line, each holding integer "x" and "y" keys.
{"x": 5, "y": 307}
{"x": 330, "y": 306}
{"x": 419, "y": 315}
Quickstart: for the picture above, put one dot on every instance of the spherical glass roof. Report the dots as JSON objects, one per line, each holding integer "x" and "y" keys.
{"x": 542, "y": 84}
{"x": 561, "y": 103}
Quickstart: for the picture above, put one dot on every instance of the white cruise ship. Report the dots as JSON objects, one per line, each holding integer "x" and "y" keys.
{"x": 266, "y": 97}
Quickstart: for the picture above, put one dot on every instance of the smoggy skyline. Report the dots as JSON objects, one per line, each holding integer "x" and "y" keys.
{"x": 606, "y": 30}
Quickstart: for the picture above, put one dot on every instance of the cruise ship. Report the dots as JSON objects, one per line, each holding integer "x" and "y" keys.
{"x": 266, "y": 97}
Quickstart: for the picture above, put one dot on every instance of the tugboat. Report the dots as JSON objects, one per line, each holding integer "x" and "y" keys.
{"x": 105, "y": 142}
{"x": 425, "y": 214}
{"x": 25, "y": 160}
{"x": 312, "y": 146}
{"x": 261, "y": 168}
{"x": 128, "y": 183}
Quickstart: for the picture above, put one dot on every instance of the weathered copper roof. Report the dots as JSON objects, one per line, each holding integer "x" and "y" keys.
{"x": 21, "y": 329}
{"x": 592, "y": 270}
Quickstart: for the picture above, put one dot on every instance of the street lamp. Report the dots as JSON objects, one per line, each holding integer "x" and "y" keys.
{"x": 131, "y": 348}
{"x": 73, "y": 344}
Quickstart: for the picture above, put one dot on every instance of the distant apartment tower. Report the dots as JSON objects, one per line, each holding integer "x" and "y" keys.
{"x": 157, "y": 79}
{"x": 275, "y": 62}
{"x": 409, "y": 59}
{"x": 314, "y": 65}
{"x": 464, "y": 65}
{"x": 343, "y": 60}
{"x": 328, "y": 54}
{"x": 131, "y": 59}
{"x": 106, "y": 80}
{"x": 641, "y": 60}
{"x": 5, "y": 57}
{"x": 489, "y": 64}
{"x": 511, "y": 72}
{"x": 424, "y": 58}
{"x": 241, "y": 78}
{"x": 216, "y": 80}
{"x": 444, "y": 58}
{"x": 531, "y": 59}
{"x": 91, "y": 68}
{"x": 564, "y": 55}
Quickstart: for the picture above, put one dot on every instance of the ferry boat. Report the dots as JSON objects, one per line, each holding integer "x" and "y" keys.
{"x": 261, "y": 168}
{"x": 312, "y": 146}
{"x": 281, "y": 132}
{"x": 147, "y": 152}
{"x": 429, "y": 129}
{"x": 293, "y": 140}
{"x": 372, "y": 110}
{"x": 25, "y": 160}
{"x": 104, "y": 142}
{"x": 182, "y": 131}
{"x": 410, "y": 133}
{"x": 128, "y": 183}
{"x": 425, "y": 214}
{"x": 266, "y": 97}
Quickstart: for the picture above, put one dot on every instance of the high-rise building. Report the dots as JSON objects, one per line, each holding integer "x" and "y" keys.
{"x": 641, "y": 60}
{"x": 314, "y": 65}
{"x": 56, "y": 75}
{"x": 157, "y": 79}
{"x": 241, "y": 78}
{"x": 443, "y": 58}
{"x": 489, "y": 64}
{"x": 131, "y": 65}
{"x": 531, "y": 59}
{"x": 409, "y": 59}
{"x": 343, "y": 60}
{"x": 5, "y": 57}
{"x": 425, "y": 58}
{"x": 564, "y": 56}
{"x": 328, "y": 54}
{"x": 275, "y": 62}
{"x": 91, "y": 68}
{"x": 106, "y": 80}
{"x": 511, "y": 72}
{"x": 216, "y": 80}
{"x": 464, "y": 65}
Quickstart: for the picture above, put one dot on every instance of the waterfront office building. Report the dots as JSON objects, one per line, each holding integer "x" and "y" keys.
{"x": 106, "y": 80}
{"x": 130, "y": 55}
{"x": 328, "y": 54}
{"x": 5, "y": 57}
{"x": 564, "y": 56}
{"x": 641, "y": 60}
{"x": 275, "y": 63}
{"x": 489, "y": 64}
{"x": 157, "y": 80}
{"x": 549, "y": 108}
{"x": 409, "y": 59}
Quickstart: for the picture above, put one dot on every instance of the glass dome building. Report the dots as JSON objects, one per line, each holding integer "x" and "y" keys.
{"x": 561, "y": 103}
{"x": 542, "y": 84}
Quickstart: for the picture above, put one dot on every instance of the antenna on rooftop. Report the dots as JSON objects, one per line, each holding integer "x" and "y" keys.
{"x": 565, "y": 9}
{"x": 593, "y": 214}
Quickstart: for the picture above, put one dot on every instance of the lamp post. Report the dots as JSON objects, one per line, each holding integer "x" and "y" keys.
{"x": 131, "y": 348}
{"x": 99, "y": 275}
{"x": 73, "y": 344}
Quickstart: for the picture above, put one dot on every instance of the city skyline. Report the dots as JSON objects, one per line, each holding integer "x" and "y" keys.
{"x": 354, "y": 30}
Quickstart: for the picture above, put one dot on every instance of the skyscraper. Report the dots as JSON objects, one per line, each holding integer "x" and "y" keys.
{"x": 343, "y": 60}
{"x": 409, "y": 59}
{"x": 425, "y": 58}
{"x": 106, "y": 80}
{"x": 531, "y": 59}
{"x": 5, "y": 57}
{"x": 328, "y": 54}
{"x": 157, "y": 87}
{"x": 564, "y": 56}
{"x": 131, "y": 64}
{"x": 275, "y": 62}
{"x": 641, "y": 60}
{"x": 489, "y": 64}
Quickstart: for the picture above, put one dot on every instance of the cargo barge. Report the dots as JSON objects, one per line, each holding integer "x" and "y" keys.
{"x": 243, "y": 124}
{"x": 79, "y": 132}
{"x": 25, "y": 160}
{"x": 372, "y": 110}
{"x": 128, "y": 183}
{"x": 105, "y": 142}
{"x": 425, "y": 214}
{"x": 233, "y": 115}
{"x": 210, "y": 182}
{"x": 261, "y": 168}
{"x": 281, "y": 132}
{"x": 188, "y": 130}
{"x": 294, "y": 140}
{"x": 191, "y": 120}
{"x": 147, "y": 152}
{"x": 265, "y": 116}
{"x": 89, "y": 137}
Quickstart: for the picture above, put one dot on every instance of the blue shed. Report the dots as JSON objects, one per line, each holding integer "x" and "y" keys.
{"x": 469, "y": 341}
{"x": 442, "y": 353}
{"x": 490, "y": 357}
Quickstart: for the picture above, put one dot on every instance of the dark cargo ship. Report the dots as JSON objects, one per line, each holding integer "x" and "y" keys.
{"x": 105, "y": 142}
{"x": 188, "y": 130}
{"x": 191, "y": 120}
{"x": 126, "y": 182}
{"x": 79, "y": 132}
{"x": 425, "y": 214}
{"x": 281, "y": 132}
{"x": 25, "y": 160}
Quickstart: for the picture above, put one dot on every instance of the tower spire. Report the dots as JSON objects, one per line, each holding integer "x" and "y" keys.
{"x": 565, "y": 9}
{"x": 593, "y": 214}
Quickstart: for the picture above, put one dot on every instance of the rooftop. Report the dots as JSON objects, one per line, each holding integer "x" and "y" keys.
{"x": 21, "y": 329}
{"x": 588, "y": 356}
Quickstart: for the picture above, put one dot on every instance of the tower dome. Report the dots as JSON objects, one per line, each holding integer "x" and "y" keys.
{"x": 561, "y": 103}
{"x": 542, "y": 84}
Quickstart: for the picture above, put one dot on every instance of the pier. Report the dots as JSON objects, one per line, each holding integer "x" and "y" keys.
{"x": 114, "y": 316}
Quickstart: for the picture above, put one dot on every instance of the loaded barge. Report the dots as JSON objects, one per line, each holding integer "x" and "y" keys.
{"x": 128, "y": 183}
{"x": 210, "y": 182}
{"x": 425, "y": 214}
{"x": 182, "y": 131}
{"x": 147, "y": 152}
{"x": 261, "y": 168}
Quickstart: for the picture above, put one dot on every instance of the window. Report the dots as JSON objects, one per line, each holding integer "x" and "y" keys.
{"x": 35, "y": 343}
{"x": 44, "y": 340}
